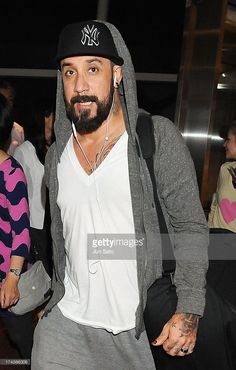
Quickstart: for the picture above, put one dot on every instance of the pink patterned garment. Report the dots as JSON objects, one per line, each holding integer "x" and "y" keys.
{"x": 14, "y": 214}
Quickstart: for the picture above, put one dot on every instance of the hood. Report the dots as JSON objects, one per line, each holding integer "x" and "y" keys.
{"x": 127, "y": 91}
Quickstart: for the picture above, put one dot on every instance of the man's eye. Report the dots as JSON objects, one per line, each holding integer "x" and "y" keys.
{"x": 93, "y": 69}
{"x": 69, "y": 73}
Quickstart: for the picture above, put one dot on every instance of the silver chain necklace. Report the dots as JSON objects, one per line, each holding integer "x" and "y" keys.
{"x": 93, "y": 167}
{"x": 98, "y": 156}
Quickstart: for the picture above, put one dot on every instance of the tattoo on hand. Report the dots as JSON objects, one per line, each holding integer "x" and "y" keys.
{"x": 189, "y": 324}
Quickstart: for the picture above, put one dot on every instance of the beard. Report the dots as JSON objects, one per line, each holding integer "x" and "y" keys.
{"x": 83, "y": 123}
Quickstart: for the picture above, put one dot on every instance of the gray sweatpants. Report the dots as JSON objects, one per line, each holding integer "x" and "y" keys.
{"x": 60, "y": 343}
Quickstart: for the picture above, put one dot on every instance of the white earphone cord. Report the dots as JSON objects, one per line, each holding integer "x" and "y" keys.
{"x": 93, "y": 168}
{"x": 92, "y": 268}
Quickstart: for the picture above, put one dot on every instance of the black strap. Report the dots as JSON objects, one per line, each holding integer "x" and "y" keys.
{"x": 145, "y": 133}
{"x": 168, "y": 259}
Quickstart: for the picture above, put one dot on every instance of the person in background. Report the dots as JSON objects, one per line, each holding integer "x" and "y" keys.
{"x": 223, "y": 207}
{"x": 48, "y": 112}
{"x": 98, "y": 185}
{"x": 14, "y": 237}
{"x": 222, "y": 224}
{"x": 31, "y": 156}
{"x": 17, "y": 133}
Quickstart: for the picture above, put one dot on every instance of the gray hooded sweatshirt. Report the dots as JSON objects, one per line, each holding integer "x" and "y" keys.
{"x": 179, "y": 198}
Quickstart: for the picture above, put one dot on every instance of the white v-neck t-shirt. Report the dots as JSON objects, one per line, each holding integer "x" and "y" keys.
{"x": 99, "y": 292}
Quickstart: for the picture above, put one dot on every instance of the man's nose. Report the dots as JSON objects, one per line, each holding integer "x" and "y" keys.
{"x": 81, "y": 84}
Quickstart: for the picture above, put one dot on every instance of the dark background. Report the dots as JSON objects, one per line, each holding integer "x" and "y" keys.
{"x": 152, "y": 31}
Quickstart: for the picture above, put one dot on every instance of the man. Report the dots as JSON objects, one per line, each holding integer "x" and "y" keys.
{"x": 99, "y": 186}
{"x": 17, "y": 133}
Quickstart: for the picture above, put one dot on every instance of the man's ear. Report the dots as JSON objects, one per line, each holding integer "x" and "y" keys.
{"x": 117, "y": 76}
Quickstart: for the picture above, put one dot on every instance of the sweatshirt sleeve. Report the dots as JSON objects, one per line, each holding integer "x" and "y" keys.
{"x": 185, "y": 217}
{"x": 18, "y": 209}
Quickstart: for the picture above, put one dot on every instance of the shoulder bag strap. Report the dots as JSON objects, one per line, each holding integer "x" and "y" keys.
{"x": 145, "y": 133}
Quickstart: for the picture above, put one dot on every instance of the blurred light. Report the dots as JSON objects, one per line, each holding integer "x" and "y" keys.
{"x": 202, "y": 136}
{"x": 227, "y": 80}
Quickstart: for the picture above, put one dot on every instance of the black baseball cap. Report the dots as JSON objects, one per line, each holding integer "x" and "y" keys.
{"x": 87, "y": 38}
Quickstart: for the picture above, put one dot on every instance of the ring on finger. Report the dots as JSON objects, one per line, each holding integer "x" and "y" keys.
{"x": 184, "y": 350}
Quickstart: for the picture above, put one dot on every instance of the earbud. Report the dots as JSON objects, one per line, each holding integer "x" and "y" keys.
{"x": 116, "y": 83}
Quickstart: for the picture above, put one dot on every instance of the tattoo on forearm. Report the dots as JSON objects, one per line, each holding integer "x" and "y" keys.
{"x": 189, "y": 324}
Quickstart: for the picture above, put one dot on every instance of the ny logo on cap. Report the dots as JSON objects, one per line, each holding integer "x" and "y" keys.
{"x": 90, "y": 36}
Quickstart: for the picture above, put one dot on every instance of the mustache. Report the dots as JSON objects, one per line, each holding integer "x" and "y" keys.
{"x": 84, "y": 99}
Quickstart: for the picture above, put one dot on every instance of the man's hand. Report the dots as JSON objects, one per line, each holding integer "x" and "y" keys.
{"x": 179, "y": 334}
